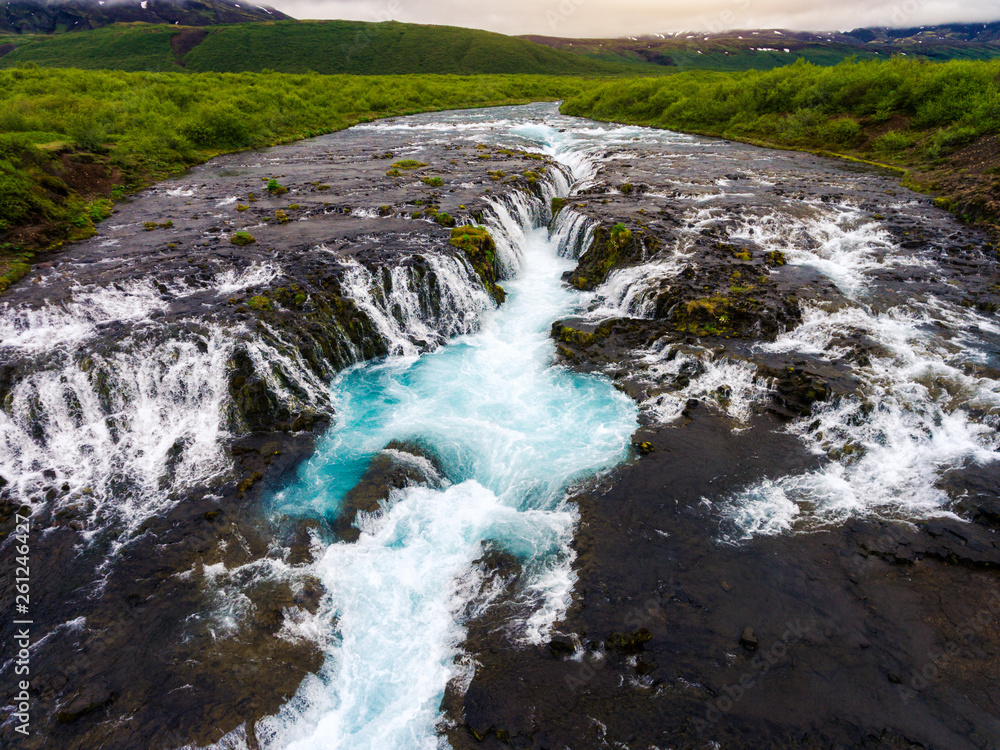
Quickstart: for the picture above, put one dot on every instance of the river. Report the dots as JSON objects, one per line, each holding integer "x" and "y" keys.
{"x": 773, "y": 349}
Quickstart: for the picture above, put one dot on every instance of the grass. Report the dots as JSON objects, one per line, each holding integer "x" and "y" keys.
{"x": 327, "y": 47}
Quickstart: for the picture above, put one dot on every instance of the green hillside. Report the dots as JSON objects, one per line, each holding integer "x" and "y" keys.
{"x": 118, "y": 47}
{"x": 329, "y": 47}
{"x": 766, "y": 50}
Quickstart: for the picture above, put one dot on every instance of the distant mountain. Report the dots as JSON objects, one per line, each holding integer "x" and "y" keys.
{"x": 50, "y": 16}
{"x": 763, "y": 49}
{"x": 983, "y": 33}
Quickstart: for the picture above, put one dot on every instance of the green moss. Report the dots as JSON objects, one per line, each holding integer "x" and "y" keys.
{"x": 281, "y": 217}
{"x": 149, "y": 226}
{"x": 557, "y": 205}
{"x": 629, "y": 643}
{"x": 259, "y": 302}
{"x": 481, "y": 251}
{"x": 100, "y": 209}
{"x": 775, "y": 258}
{"x": 610, "y": 248}
{"x": 408, "y": 164}
{"x": 242, "y": 238}
{"x": 393, "y": 173}
{"x": 575, "y": 337}
{"x": 432, "y": 181}
{"x": 13, "y": 272}
{"x": 445, "y": 220}
{"x": 708, "y": 316}
{"x": 275, "y": 188}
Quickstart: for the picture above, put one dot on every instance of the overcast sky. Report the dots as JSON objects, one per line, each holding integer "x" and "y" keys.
{"x": 609, "y": 18}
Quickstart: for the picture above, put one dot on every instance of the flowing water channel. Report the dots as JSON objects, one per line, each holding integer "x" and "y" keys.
{"x": 506, "y": 430}
{"x": 512, "y": 433}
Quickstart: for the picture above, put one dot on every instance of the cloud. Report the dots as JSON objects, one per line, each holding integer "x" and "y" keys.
{"x": 611, "y": 18}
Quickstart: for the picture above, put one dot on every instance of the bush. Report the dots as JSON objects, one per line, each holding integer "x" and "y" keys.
{"x": 844, "y": 131}
{"x": 276, "y": 188}
{"x": 891, "y": 143}
{"x": 214, "y": 127}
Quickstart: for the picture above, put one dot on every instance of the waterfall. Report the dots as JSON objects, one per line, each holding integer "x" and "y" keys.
{"x": 417, "y": 306}
{"x": 511, "y": 434}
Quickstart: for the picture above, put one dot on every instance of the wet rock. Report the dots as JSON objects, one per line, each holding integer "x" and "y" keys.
{"x": 629, "y": 643}
{"x": 400, "y": 464}
{"x": 748, "y": 640}
{"x": 89, "y": 698}
{"x": 612, "y": 247}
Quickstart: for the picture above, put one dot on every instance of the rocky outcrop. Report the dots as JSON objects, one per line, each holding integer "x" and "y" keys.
{"x": 400, "y": 464}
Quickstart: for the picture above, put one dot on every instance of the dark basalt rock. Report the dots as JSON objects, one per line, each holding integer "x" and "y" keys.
{"x": 613, "y": 247}
{"x": 400, "y": 464}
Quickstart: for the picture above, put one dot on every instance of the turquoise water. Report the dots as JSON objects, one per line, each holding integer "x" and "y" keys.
{"x": 512, "y": 433}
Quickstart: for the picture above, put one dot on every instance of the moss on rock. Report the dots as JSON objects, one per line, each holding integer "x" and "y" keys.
{"x": 479, "y": 248}
{"x": 610, "y": 249}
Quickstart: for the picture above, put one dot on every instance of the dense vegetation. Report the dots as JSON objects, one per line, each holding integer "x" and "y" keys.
{"x": 68, "y": 138}
{"x": 910, "y": 113}
{"x": 329, "y": 47}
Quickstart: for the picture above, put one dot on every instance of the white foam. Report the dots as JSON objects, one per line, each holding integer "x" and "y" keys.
{"x": 841, "y": 242}
{"x": 892, "y": 444}
{"x": 71, "y": 322}
{"x": 399, "y": 302}
{"x": 255, "y": 275}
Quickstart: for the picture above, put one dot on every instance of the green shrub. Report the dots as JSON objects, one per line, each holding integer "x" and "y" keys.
{"x": 275, "y": 188}
{"x": 891, "y": 143}
{"x": 844, "y": 131}
{"x": 215, "y": 127}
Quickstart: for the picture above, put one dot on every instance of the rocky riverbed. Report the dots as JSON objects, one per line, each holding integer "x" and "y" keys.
{"x": 801, "y": 550}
